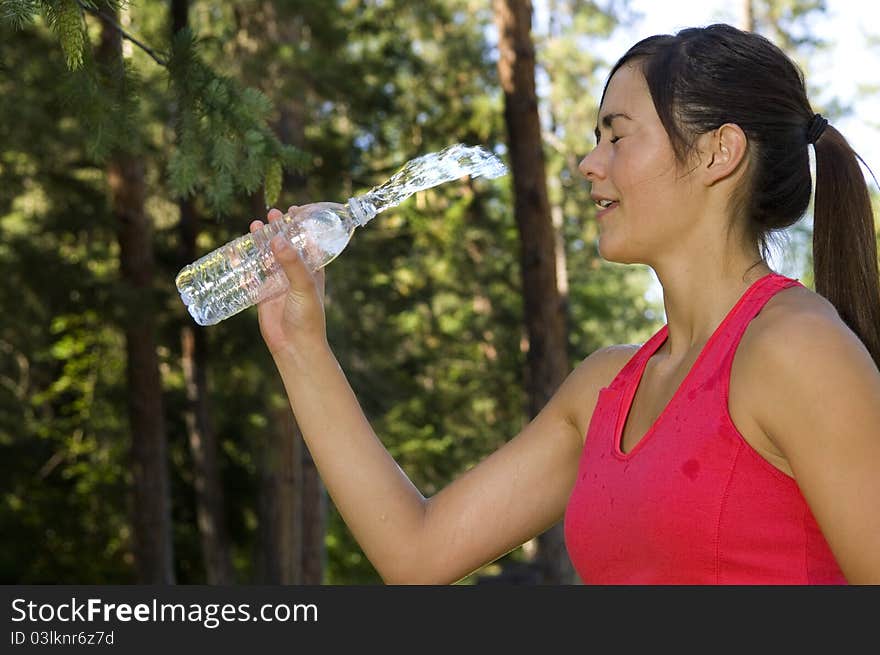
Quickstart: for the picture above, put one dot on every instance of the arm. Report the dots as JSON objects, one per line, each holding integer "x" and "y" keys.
{"x": 512, "y": 495}
{"x": 822, "y": 410}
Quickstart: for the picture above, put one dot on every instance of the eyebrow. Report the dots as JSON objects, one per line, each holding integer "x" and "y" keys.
{"x": 607, "y": 119}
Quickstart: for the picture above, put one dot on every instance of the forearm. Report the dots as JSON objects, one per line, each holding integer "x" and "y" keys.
{"x": 375, "y": 498}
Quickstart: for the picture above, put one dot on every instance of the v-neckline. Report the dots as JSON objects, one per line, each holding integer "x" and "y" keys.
{"x": 632, "y": 387}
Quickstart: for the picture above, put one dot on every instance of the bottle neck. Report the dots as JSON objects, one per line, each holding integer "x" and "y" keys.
{"x": 362, "y": 211}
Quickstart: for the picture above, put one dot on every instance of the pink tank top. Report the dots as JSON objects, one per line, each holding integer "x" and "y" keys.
{"x": 692, "y": 502}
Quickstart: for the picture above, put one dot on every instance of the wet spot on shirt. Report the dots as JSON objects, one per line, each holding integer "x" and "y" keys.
{"x": 691, "y": 469}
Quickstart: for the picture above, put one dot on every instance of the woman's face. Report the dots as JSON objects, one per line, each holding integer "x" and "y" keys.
{"x": 633, "y": 166}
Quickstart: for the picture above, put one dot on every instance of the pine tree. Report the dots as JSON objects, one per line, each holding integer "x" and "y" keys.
{"x": 226, "y": 144}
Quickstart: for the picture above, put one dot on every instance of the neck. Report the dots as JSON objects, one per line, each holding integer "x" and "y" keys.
{"x": 698, "y": 295}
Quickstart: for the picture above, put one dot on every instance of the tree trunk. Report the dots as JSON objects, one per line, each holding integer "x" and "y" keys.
{"x": 210, "y": 505}
{"x": 151, "y": 521}
{"x": 292, "y": 495}
{"x": 280, "y": 537}
{"x": 312, "y": 497}
{"x": 314, "y": 520}
{"x": 547, "y": 360}
{"x": 748, "y": 16}
{"x": 293, "y": 504}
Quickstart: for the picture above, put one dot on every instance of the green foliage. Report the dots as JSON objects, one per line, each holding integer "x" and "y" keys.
{"x": 786, "y": 22}
{"x": 225, "y": 142}
{"x": 65, "y": 18}
{"x": 19, "y": 13}
{"x": 107, "y": 100}
{"x": 273, "y": 182}
{"x": 62, "y": 405}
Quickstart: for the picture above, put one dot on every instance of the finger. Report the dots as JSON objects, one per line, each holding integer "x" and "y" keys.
{"x": 292, "y": 209}
{"x": 320, "y": 282}
{"x": 255, "y": 225}
{"x": 274, "y": 214}
{"x": 294, "y": 267}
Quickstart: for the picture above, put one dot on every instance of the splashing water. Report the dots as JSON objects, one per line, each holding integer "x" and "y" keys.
{"x": 244, "y": 271}
{"x": 424, "y": 172}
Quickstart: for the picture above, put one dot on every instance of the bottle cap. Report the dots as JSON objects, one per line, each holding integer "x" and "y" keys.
{"x": 358, "y": 212}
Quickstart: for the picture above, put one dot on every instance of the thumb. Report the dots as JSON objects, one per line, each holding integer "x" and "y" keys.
{"x": 291, "y": 263}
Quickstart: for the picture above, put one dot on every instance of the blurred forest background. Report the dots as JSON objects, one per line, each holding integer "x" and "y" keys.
{"x": 138, "y": 447}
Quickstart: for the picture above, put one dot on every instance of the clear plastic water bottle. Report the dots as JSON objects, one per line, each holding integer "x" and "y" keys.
{"x": 244, "y": 272}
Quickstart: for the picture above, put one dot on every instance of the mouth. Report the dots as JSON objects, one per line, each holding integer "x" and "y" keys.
{"x": 605, "y": 206}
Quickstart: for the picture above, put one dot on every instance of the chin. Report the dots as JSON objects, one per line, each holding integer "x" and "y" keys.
{"x": 615, "y": 253}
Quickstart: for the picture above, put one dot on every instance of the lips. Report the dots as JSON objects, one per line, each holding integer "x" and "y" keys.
{"x": 605, "y": 207}
{"x": 602, "y": 200}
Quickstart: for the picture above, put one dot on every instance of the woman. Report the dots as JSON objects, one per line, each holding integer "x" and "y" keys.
{"x": 741, "y": 443}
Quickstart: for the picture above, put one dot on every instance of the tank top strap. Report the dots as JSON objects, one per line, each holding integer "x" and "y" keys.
{"x": 729, "y": 338}
{"x": 636, "y": 363}
{"x": 717, "y": 362}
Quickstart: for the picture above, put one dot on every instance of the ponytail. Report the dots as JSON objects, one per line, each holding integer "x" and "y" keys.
{"x": 844, "y": 242}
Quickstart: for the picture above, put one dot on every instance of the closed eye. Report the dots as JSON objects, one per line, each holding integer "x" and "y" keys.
{"x": 613, "y": 139}
{"x": 608, "y": 121}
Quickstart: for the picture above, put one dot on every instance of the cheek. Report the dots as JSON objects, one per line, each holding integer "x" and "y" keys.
{"x": 648, "y": 184}
{"x": 644, "y": 166}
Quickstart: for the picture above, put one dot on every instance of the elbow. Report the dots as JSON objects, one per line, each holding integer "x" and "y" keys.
{"x": 419, "y": 561}
{"x": 415, "y": 570}
{"x": 414, "y": 580}
{"x": 414, "y": 574}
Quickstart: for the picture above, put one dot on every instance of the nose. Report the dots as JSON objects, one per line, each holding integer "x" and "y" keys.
{"x": 592, "y": 167}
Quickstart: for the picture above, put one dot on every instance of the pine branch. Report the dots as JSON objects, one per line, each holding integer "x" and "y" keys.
{"x": 225, "y": 143}
{"x": 64, "y": 17}
{"x": 18, "y": 14}
{"x": 125, "y": 35}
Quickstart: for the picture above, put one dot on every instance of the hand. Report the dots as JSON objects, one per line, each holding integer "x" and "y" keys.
{"x": 295, "y": 319}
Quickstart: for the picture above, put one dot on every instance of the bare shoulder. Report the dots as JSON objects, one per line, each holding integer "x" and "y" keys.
{"x": 795, "y": 318}
{"x": 601, "y": 366}
{"x": 799, "y": 350}
{"x": 614, "y": 358}
{"x": 796, "y": 301}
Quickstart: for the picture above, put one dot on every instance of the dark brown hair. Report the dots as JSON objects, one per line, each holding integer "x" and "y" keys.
{"x": 702, "y": 78}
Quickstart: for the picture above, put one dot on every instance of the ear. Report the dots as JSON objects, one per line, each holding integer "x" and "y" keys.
{"x": 723, "y": 153}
